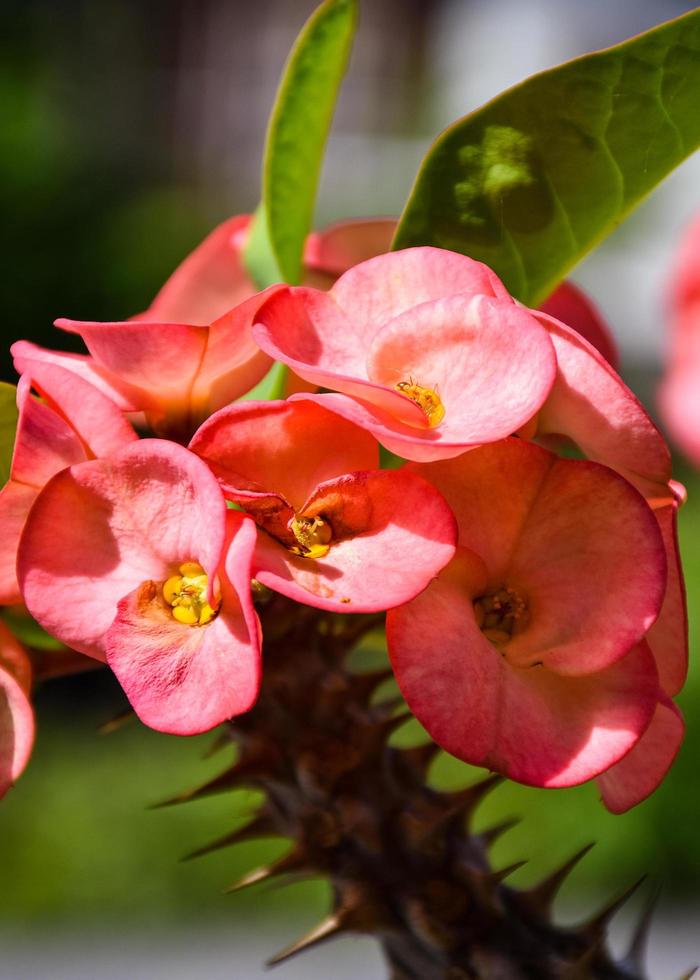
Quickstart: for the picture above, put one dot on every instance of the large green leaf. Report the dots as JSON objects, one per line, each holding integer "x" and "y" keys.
{"x": 8, "y": 425}
{"x": 297, "y": 135}
{"x": 534, "y": 179}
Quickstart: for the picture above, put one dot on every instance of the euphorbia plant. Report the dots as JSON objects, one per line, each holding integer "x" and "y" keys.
{"x": 536, "y": 613}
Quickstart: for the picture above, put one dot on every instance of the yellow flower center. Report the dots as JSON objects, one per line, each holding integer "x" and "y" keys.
{"x": 500, "y": 613}
{"x": 314, "y": 536}
{"x": 187, "y": 594}
{"x": 427, "y": 399}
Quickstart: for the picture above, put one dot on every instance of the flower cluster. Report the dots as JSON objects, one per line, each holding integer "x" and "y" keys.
{"x": 536, "y": 614}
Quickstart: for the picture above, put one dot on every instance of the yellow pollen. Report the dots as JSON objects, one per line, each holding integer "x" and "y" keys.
{"x": 427, "y": 399}
{"x": 314, "y": 536}
{"x": 187, "y": 594}
{"x": 500, "y": 613}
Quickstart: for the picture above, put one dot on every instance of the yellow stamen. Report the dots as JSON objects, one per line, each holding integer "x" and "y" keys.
{"x": 314, "y": 536}
{"x": 426, "y": 399}
{"x": 187, "y": 594}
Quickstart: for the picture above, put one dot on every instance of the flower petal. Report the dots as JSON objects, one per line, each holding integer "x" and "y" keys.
{"x": 532, "y": 725}
{"x": 396, "y": 534}
{"x": 16, "y": 501}
{"x": 572, "y": 306}
{"x": 209, "y": 282}
{"x": 668, "y": 637}
{"x": 33, "y": 361}
{"x": 331, "y": 252}
{"x": 573, "y": 536}
{"x": 383, "y": 287}
{"x": 639, "y": 773}
{"x": 93, "y": 415}
{"x": 16, "y": 714}
{"x": 160, "y": 359}
{"x": 101, "y": 528}
{"x": 186, "y": 679}
{"x": 591, "y": 405}
{"x": 45, "y": 443}
{"x": 285, "y": 448}
{"x": 490, "y": 361}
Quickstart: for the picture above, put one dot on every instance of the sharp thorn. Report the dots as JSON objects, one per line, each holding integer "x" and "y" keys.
{"x": 465, "y": 801}
{"x": 364, "y": 685}
{"x": 542, "y": 895}
{"x": 581, "y": 969}
{"x": 293, "y": 860}
{"x": 492, "y": 834}
{"x": 383, "y": 730}
{"x": 220, "y": 742}
{"x": 420, "y": 756}
{"x": 499, "y": 876}
{"x": 636, "y": 954}
{"x": 598, "y": 923}
{"x": 119, "y": 721}
{"x": 326, "y": 929}
{"x": 261, "y": 826}
{"x": 241, "y": 774}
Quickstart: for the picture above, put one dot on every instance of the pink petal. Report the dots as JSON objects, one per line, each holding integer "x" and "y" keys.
{"x": 101, "y": 528}
{"x": 16, "y": 501}
{"x": 161, "y": 359}
{"x": 285, "y": 448}
{"x": 490, "y": 362}
{"x": 639, "y": 773}
{"x": 340, "y": 246}
{"x": 16, "y": 715}
{"x": 591, "y": 405}
{"x": 45, "y": 443}
{"x": 209, "y": 282}
{"x": 531, "y": 724}
{"x": 31, "y": 360}
{"x": 668, "y": 637}
{"x": 93, "y": 415}
{"x": 386, "y": 286}
{"x": 305, "y": 329}
{"x": 232, "y": 362}
{"x": 573, "y": 307}
{"x": 573, "y": 536}
{"x": 397, "y": 535}
{"x": 686, "y": 280}
{"x": 183, "y": 679}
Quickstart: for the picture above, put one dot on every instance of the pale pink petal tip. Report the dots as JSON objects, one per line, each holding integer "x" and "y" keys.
{"x": 640, "y": 772}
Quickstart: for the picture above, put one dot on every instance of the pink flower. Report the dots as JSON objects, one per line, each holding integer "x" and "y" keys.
{"x": 335, "y": 532}
{"x": 528, "y": 654}
{"x": 679, "y": 395}
{"x": 178, "y": 373}
{"x": 135, "y": 559}
{"x": 590, "y": 405}
{"x": 425, "y": 347}
{"x": 16, "y": 715}
{"x": 73, "y": 423}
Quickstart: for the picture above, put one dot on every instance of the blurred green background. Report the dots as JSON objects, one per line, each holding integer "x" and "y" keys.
{"x": 129, "y": 130}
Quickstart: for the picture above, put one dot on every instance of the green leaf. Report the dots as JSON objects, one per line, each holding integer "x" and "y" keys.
{"x": 534, "y": 179}
{"x": 299, "y": 127}
{"x": 8, "y": 426}
{"x": 258, "y": 257}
